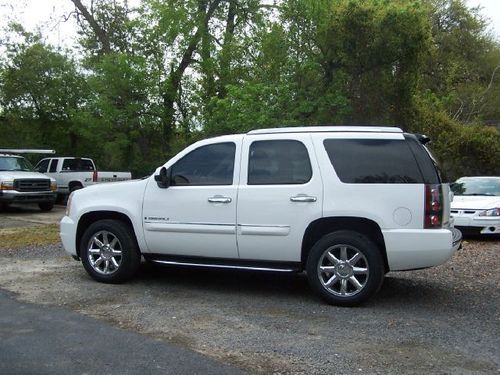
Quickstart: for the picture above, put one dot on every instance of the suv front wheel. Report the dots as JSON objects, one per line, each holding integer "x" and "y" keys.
{"x": 345, "y": 268}
{"x": 109, "y": 251}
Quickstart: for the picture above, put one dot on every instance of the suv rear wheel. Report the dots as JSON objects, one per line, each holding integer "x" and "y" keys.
{"x": 345, "y": 268}
{"x": 109, "y": 251}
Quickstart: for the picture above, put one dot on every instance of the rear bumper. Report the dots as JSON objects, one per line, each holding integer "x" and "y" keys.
{"x": 13, "y": 196}
{"x": 409, "y": 249}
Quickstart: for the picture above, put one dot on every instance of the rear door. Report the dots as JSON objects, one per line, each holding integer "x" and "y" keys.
{"x": 280, "y": 193}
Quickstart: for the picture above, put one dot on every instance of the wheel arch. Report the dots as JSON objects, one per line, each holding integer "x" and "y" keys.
{"x": 91, "y": 217}
{"x": 320, "y": 227}
{"x": 74, "y": 183}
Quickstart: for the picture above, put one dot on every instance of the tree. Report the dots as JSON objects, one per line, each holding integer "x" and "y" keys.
{"x": 463, "y": 70}
{"x": 41, "y": 88}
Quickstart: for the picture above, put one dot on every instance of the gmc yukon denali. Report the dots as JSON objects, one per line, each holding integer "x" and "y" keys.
{"x": 344, "y": 204}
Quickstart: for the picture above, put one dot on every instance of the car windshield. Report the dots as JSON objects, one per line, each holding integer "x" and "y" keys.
{"x": 477, "y": 186}
{"x": 15, "y": 163}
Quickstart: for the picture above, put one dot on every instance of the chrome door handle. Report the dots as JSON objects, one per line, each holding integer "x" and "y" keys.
{"x": 303, "y": 198}
{"x": 219, "y": 199}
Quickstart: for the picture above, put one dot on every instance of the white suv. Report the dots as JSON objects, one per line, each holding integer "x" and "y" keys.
{"x": 345, "y": 204}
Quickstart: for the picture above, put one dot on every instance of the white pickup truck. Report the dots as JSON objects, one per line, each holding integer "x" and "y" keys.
{"x": 75, "y": 173}
{"x": 20, "y": 184}
{"x": 345, "y": 204}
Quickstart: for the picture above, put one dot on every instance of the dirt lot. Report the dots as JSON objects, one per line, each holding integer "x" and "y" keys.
{"x": 443, "y": 320}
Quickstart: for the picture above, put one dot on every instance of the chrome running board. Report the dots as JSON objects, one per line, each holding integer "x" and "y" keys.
{"x": 227, "y": 266}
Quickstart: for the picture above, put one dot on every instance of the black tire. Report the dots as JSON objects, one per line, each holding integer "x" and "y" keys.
{"x": 129, "y": 260}
{"x": 367, "y": 268}
{"x": 4, "y": 206}
{"x": 75, "y": 186}
{"x": 46, "y": 206}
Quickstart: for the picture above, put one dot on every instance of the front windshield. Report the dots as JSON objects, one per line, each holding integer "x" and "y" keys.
{"x": 477, "y": 186}
{"x": 13, "y": 163}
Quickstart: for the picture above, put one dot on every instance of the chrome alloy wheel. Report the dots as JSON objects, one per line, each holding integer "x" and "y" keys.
{"x": 343, "y": 270}
{"x": 105, "y": 252}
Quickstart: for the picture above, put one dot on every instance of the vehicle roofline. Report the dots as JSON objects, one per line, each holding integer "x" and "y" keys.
{"x": 328, "y": 129}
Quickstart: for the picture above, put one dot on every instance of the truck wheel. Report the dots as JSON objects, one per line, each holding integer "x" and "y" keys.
{"x": 345, "y": 268}
{"x": 75, "y": 186}
{"x": 46, "y": 206}
{"x": 109, "y": 251}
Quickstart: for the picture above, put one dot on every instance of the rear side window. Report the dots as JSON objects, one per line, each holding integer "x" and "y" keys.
{"x": 77, "y": 165}
{"x": 280, "y": 162}
{"x": 428, "y": 166}
{"x": 373, "y": 161}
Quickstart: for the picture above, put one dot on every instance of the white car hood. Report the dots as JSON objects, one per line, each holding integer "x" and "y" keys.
{"x": 12, "y": 175}
{"x": 475, "y": 202}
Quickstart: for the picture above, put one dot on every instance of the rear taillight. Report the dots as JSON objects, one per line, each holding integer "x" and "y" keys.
{"x": 94, "y": 177}
{"x": 433, "y": 206}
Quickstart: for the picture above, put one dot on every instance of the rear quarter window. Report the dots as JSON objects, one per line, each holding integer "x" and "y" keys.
{"x": 373, "y": 161}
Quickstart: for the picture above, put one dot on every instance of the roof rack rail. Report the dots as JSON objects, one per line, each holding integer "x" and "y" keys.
{"x": 25, "y": 151}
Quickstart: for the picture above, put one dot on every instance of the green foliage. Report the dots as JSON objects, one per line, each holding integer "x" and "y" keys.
{"x": 462, "y": 150}
{"x": 152, "y": 79}
{"x": 462, "y": 69}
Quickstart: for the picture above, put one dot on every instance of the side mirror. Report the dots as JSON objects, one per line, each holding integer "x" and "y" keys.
{"x": 163, "y": 179}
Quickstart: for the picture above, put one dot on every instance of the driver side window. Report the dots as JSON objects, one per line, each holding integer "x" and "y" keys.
{"x": 207, "y": 165}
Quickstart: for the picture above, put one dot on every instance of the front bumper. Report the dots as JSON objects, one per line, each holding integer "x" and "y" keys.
{"x": 13, "y": 196}
{"x": 67, "y": 232}
{"x": 409, "y": 249}
{"x": 478, "y": 224}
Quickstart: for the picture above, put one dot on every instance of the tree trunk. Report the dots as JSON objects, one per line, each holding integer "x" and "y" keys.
{"x": 100, "y": 33}
{"x": 173, "y": 82}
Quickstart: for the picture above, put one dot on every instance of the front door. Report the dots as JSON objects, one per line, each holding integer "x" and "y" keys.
{"x": 196, "y": 215}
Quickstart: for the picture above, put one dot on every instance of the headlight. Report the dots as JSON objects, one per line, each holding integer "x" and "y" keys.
{"x": 68, "y": 204}
{"x": 53, "y": 186}
{"x": 7, "y": 185}
{"x": 491, "y": 212}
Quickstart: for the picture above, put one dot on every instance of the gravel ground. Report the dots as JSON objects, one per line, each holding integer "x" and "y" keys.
{"x": 443, "y": 320}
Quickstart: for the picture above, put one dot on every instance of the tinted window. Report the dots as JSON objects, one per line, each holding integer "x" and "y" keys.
{"x": 207, "y": 165}
{"x": 42, "y": 166}
{"x": 427, "y": 166}
{"x": 77, "y": 165}
{"x": 375, "y": 161}
{"x": 53, "y": 165}
{"x": 278, "y": 163}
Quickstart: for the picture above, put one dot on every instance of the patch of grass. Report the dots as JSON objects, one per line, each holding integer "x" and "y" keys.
{"x": 32, "y": 236}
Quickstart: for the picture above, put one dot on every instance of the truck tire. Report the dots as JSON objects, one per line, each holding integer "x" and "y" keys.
{"x": 46, "y": 206}
{"x": 345, "y": 268}
{"x": 74, "y": 186}
{"x": 109, "y": 251}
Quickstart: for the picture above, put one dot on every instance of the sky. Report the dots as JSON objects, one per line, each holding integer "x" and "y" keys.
{"x": 491, "y": 10}
{"x": 49, "y": 16}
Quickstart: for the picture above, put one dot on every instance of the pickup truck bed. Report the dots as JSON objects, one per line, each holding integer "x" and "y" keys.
{"x": 75, "y": 173}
